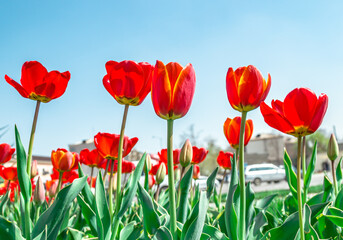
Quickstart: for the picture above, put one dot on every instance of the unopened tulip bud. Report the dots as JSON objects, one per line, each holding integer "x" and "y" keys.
{"x": 34, "y": 169}
{"x": 196, "y": 172}
{"x": 332, "y": 148}
{"x": 52, "y": 189}
{"x": 39, "y": 193}
{"x": 177, "y": 174}
{"x": 161, "y": 173}
{"x": 148, "y": 162}
{"x": 186, "y": 154}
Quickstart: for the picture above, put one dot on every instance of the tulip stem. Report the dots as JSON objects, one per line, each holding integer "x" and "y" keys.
{"x": 120, "y": 161}
{"x": 91, "y": 181}
{"x": 242, "y": 212}
{"x": 334, "y": 177}
{"x": 220, "y": 190}
{"x": 32, "y": 136}
{"x": 300, "y": 206}
{"x": 59, "y": 183}
{"x": 303, "y": 159}
{"x": 172, "y": 207}
{"x": 27, "y": 220}
{"x": 110, "y": 188}
{"x": 106, "y": 170}
{"x": 37, "y": 212}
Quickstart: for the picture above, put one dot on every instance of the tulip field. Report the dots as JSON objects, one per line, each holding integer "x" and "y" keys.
{"x": 72, "y": 205}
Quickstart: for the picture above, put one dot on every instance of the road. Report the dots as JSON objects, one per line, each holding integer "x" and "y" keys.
{"x": 317, "y": 179}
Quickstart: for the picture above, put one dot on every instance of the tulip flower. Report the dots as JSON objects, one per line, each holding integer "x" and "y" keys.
{"x": 246, "y": 88}
{"x": 224, "y": 159}
{"x": 232, "y": 129}
{"x": 300, "y": 114}
{"x": 172, "y": 89}
{"x": 161, "y": 173}
{"x": 91, "y": 158}
{"x": 127, "y": 81}
{"x": 186, "y": 154}
{"x": 6, "y": 152}
{"x": 196, "y": 172}
{"x": 34, "y": 169}
{"x": 9, "y": 173}
{"x": 164, "y": 156}
{"x": 107, "y": 145}
{"x": 199, "y": 155}
{"x": 152, "y": 181}
{"x": 38, "y": 84}
{"x": 63, "y": 160}
{"x": 39, "y": 193}
{"x": 128, "y": 166}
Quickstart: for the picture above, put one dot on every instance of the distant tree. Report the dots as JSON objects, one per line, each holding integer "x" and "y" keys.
{"x": 210, "y": 162}
{"x": 322, "y": 139}
{"x": 192, "y": 135}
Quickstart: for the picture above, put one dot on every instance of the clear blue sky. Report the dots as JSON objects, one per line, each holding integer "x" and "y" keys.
{"x": 300, "y": 43}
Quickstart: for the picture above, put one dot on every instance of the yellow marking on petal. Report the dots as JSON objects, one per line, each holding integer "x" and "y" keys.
{"x": 40, "y": 98}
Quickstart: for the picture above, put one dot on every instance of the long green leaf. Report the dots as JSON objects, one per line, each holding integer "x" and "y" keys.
{"x": 88, "y": 214}
{"x": 310, "y": 168}
{"x": 23, "y": 177}
{"x": 335, "y": 215}
{"x": 339, "y": 174}
{"x": 86, "y": 191}
{"x": 214, "y": 233}
{"x": 131, "y": 187}
{"x": 52, "y": 218}
{"x": 9, "y": 230}
{"x": 290, "y": 175}
{"x": 250, "y": 210}
{"x": 264, "y": 202}
{"x": 185, "y": 185}
{"x": 211, "y": 182}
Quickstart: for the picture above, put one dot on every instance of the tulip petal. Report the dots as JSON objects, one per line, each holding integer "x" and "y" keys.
{"x": 174, "y": 70}
{"x": 32, "y": 74}
{"x": 56, "y": 83}
{"x": 161, "y": 94}
{"x": 231, "y": 87}
{"x": 275, "y": 120}
{"x": 277, "y": 105}
{"x": 183, "y": 91}
{"x": 299, "y": 106}
{"x": 17, "y": 86}
{"x": 250, "y": 87}
{"x": 266, "y": 87}
{"x": 249, "y": 127}
{"x": 321, "y": 107}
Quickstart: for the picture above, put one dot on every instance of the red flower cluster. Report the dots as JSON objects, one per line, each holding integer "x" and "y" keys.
{"x": 6, "y": 152}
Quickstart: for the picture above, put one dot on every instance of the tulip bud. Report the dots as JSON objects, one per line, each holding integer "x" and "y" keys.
{"x": 39, "y": 193}
{"x": 161, "y": 173}
{"x": 177, "y": 174}
{"x": 196, "y": 172}
{"x": 52, "y": 189}
{"x": 186, "y": 154}
{"x": 332, "y": 148}
{"x": 148, "y": 162}
{"x": 34, "y": 169}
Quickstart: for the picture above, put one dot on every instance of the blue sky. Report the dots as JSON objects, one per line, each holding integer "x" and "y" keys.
{"x": 298, "y": 42}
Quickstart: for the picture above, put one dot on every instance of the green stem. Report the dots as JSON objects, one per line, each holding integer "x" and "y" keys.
{"x": 334, "y": 177}
{"x": 157, "y": 192}
{"x": 37, "y": 212}
{"x": 172, "y": 206}
{"x": 303, "y": 159}
{"x": 179, "y": 187}
{"x": 59, "y": 183}
{"x": 300, "y": 206}
{"x": 242, "y": 207}
{"x": 27, "y": 220}
{"x": 32, "y": 136}
{"x": 110, "y": 189}
{"x": 146, "y": 178}
{"x": 106, "y": 170}
{"x": 91, "y": 181}
{"x": 120, "y": 160}
{"x": 221, "y": 187}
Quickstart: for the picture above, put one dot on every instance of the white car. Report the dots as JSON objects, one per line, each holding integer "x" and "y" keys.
{"x": 265, "y": 172}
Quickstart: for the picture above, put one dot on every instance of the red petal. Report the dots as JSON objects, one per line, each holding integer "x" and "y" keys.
{"x": 231, "y": 88}
{"x": 322, "y": 105}
{"x": 17, "y": 86}
{"x": 32, "y": 74}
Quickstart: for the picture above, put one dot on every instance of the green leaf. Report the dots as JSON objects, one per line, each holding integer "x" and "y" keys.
{"x": 103, "y": 218}
{"x": 23, "y": 177}
{"x": 192, "y": 228}
{"x": 43, "y": 235}
{"x": 163, "y": 233}
{"x": 53, "y": 216}
{"x": 339, "y": 174}
{"x": 9, "y": 231}
{"x": 259, "y": 222}
{"x": 86, "y": 191}
{"x": 211, "y": 182}
{"x": 310, "y": 168}
{"x": 131, "y": 187}
{"x": 88, "y": 214}
{"x": 290, "y": 175}
{"x": 215, "y": 233}
{"x": 131, "y": 231}
{"x": 250, "y": 210}
{"x": 316, "y": 199}
{"x": 327, "y": 189}
{"x": 184, "y": 191}
{"x": 335, "y": 215}
{"x": 264, "y": 202}
{"x": 151, "y": 221}
{"x": 3, "y": 202}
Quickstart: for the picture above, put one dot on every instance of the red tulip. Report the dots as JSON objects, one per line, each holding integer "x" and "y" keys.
{"x": 196, "y": 172}
{"x": 300, "y": 114}
{"x": 92, "y": 158}
{"x": 164, "y": 156}
{"x": 93, "y": 180}
{"x": 9, "y": 173}
{"x": 224, "y": 159}
{"x": 107, "y": 145}
{"x": 67, "y": 177}
{"x": 63, "y": 160}
{"x": 232, "y": 129}
{"x": 39, "y": 84}
{"x": 246, "y": 88}
{"x": 127, "y": 81}
{"x": 199, "y": 155}
{"x": 152, "y": 181}
{"x": 155, "y": 167}
{"x": 127, "y": 167}
{"x": 6, "y": 152}
{"x": 172, "y": 89}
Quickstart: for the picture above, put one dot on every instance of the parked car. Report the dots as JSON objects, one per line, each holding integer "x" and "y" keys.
{"x": 266, "y": 172}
